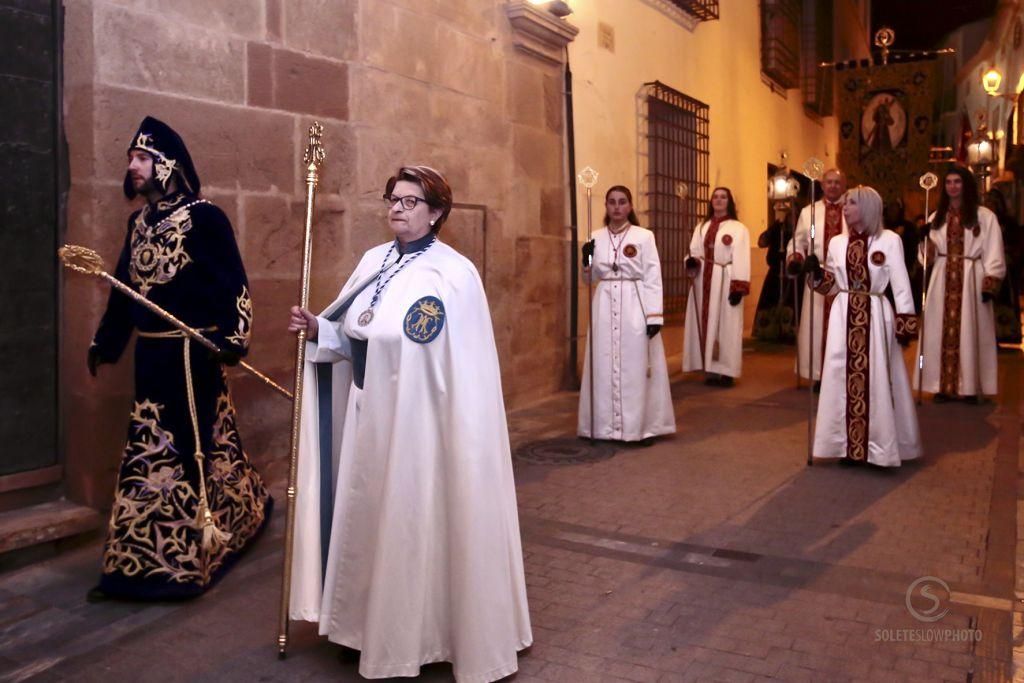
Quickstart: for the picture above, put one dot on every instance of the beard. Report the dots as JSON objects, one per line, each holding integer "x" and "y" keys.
{"x": 148, "y": 186}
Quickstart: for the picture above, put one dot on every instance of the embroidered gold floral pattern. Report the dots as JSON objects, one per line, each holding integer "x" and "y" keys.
{"x": 153, "y": 530}
{"x": 858, "y": 320}
{"x": 158, "y": 252}
{"x": 243, "y": 304}
{"x": 949, "y": 379}
{"x": 907, "y": 326}
{"x": 162, "y": 166}
{"x": 237, "y": 495}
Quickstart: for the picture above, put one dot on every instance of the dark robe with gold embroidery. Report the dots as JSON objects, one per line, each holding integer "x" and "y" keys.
{"x": 181, "y": 254}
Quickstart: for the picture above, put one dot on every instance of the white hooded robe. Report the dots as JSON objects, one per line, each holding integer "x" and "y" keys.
{"x": 425, "y": 559}
{"x": 632, "y": 398}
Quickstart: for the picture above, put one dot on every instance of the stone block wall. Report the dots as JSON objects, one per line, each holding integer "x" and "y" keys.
{"x": 393, "y": 81}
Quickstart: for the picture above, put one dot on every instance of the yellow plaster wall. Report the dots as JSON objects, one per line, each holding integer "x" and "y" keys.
{"x": 718, "y": 63}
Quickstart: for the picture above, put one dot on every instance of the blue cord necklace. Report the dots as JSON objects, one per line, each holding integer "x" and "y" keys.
{"x": 366, "y": 316}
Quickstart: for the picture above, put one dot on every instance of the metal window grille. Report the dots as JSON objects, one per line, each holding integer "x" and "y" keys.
{"x": 780, "y": 41}
{"x": 674, "y": 152}
{"x": 702, "y": 10}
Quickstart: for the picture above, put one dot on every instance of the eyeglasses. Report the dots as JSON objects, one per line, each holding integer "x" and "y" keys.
{"x": 408, "y": 202}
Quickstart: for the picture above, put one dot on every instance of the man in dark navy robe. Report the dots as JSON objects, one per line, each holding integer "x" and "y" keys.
{"x": 188, "y": 501}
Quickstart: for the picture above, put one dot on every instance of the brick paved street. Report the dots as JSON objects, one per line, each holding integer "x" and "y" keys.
{"x": 714, "y": 555}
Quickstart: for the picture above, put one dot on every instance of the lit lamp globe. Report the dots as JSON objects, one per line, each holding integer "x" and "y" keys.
{"x": 991, "y": 80}
{"x": 781, "y": 187}
{"x": 980, "y": 150}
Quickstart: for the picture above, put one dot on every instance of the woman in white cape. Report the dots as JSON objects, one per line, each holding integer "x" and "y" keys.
{"x": 719, "y": 268}
{"x": 866, "y": 410}
{"x": 631, "y": 395}
{"x": 407, "y": 543}
{"x": 965, "y": 253}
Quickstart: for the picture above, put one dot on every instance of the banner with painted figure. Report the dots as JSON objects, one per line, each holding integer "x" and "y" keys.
{"x": 885, "y": 129}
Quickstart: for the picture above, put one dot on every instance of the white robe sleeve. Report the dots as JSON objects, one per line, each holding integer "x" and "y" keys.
{"x": 696, "y": 248}
{"x": 992, "y": 254}
{"x": 899, "y": 280}
{"x": 800, "y": 242}
{"x": 331, "y": 344}
{"x": 740, "y": 271}
{"x": 652, "y": 289}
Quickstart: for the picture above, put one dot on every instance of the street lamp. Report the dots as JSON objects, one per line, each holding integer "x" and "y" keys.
{"x": 991, "y": 80}
{"x": 782, "y": 188}
{"x": 982, "y": 154}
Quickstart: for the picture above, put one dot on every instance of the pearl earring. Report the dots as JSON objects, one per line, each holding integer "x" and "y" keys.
{"x": 431, "y": 223}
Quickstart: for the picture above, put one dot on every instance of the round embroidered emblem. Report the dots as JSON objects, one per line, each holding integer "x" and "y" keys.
{"x": 726, "y": 240}
{"x": 878, "y": 258}
{"x": 629, "y": 250}
{"x": 424, "y": 320}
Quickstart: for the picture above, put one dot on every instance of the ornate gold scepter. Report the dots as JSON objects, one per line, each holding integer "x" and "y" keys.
{"x": 85, "y": 260}
{"x": 588, "y": 178}
{"x": 813, "y": 169}
{"x": 928, "y": 181}
{"x": 313, "y": 158}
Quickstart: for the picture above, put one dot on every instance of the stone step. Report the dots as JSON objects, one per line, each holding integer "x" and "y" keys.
{"x": 44, "y": 523}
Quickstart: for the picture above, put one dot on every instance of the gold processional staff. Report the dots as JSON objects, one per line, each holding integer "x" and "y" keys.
{"x": 313, "y": 158}
{"x": 84, "y": 260}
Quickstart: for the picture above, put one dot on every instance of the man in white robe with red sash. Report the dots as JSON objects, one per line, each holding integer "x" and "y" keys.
{"x": 829, "y": 222}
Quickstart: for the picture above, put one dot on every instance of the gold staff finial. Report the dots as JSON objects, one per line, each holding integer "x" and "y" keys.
{"x": 928, "y": 181}
{"x": 814, "y": 168}
{"x": 85, "y": 260}
{"x": 315, "y": 152}
{"x": 587, "y": 177}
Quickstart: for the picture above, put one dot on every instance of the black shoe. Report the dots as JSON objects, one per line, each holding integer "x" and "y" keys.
{"x": 940, "y": 398}
{"x": 725, "y": 381}
{"x": 711, "y": 380}
{"x": 971, "y": 400}
{"x": 96, "y": 594}
{"x": 648, "y": 442}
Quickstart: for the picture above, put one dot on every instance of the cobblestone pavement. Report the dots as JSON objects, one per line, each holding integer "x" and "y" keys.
{"x": 716, "y": 554}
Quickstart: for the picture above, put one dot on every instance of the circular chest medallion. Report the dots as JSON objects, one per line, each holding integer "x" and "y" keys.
{"x": 878, "y": 258}
{"x": 629, "y": 250}
{"x": 365, "y": 317}
{"x": 727, "y": 240}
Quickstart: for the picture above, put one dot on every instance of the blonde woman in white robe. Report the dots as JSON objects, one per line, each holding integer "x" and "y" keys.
{"x": 828, "y": 223}
{"x": 719, "y": 269}
{"x": 965, "y": 253}
{"x": 866, "y": 410}
{"x": 407, "y": 543}
{"x": 632, "y": 399}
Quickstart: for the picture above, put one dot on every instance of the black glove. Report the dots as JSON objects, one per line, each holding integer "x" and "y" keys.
{"x": 813, "y": 266}
{"x": 225, "y": 357}
{"x": 735, "y": 298}
{"x": 794, "y": 266}
{"x": 986, "y": 297}
{"x": 923, "y": 231}
{"x": 692, "y": 266}
{"x": 904, "y": 340}
{"x": 653, "y": 330}
{"x": 93, "y": 360}
{"x": 588, "y": 253}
